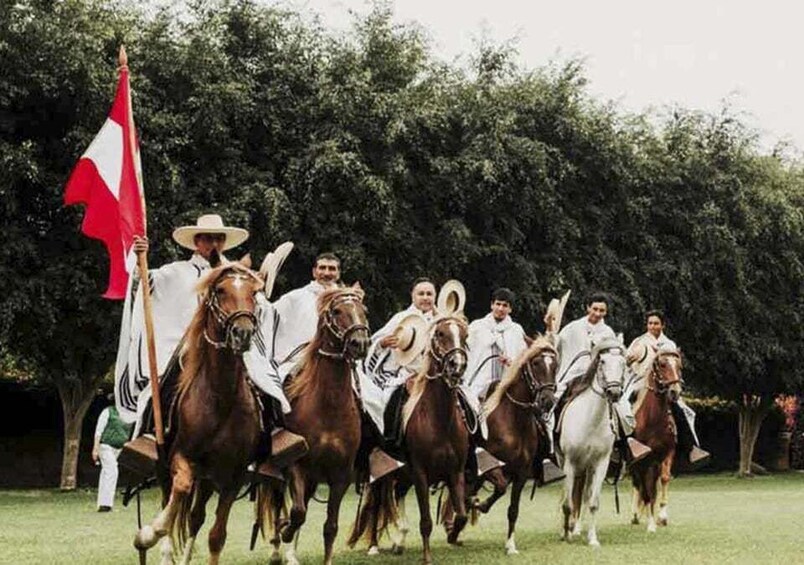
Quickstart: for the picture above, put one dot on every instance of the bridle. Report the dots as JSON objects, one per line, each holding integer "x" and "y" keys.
{"x": 339, "y": 334}
{"x": 536, "y": 388}
{"x": 441, "y": 358}
{"x": 600, "y": 377}
{"x": 225, "y": 320}
{"x": 663, "y": 386}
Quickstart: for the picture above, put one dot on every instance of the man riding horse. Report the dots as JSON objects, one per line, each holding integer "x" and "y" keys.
{"x": 640, "y": 357}
{"x": 174, "y": 302}
{"x": 576, "y": 341}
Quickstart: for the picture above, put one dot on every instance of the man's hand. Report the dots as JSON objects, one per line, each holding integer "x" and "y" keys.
{"x": 504, "y": 360}
{"x": 95, "y": 454}
{"x": 140, "y": 244}
{"x": 389, "y": 341}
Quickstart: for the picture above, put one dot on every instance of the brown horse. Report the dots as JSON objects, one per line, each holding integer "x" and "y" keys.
{"x": 656, "y": 428}
{"x": 436, "y": 441}
{"x": 513, "y": 410}
{"x": 326, "y": 412}
{"x": 215, "y": 424}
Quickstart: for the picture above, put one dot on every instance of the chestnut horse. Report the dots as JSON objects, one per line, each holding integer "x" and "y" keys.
{"x": 656, "y": 428}
{"x": 215, "y": 421}
{"x": 524, "y": 395}
{"x": 436, "y": 442}
{"x": 326, "y": 412}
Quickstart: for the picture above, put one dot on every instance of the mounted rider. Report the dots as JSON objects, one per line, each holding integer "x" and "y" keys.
{"x": 577, "y": 340}
{"x": 174, "y": 302}
{"x": 640, "y": 356}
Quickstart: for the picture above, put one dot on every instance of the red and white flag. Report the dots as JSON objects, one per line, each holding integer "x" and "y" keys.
{"x": 107, "y": 179}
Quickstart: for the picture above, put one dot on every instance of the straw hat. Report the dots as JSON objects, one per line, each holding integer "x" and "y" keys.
{"x": 451, "y": 298}
{"x": 212, "y": 224}
{"x": 412, "y": 335}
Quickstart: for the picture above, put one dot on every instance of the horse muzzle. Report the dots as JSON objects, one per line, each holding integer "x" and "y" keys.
{"x": 240, "y": 338}
{"x": 614, "y": 392}
{"x": 357, "y": 345}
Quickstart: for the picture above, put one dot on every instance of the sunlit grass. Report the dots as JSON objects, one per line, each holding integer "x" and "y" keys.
{"x": 714, "y": 519}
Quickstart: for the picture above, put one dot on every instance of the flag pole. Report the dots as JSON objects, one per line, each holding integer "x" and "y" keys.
{"x": 142, "y": 262}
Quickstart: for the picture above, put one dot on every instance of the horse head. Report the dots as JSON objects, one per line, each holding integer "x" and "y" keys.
{"x": 608, "y": 364}
{"x": 539, "y": 373}
{"x": 665, "y": 375}
{"x": 228, "y": 294}
{"x": 343, "y": 315}
{"x": 448, "y": 349}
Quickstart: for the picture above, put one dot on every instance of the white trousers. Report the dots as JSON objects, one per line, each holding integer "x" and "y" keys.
{"x": 107, "y": 483}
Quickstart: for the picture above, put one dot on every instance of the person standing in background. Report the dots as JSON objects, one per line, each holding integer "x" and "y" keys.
{"x": 111, "y": 433}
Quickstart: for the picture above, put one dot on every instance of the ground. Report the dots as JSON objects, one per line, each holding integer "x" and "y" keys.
{"x": 714, "y": 519}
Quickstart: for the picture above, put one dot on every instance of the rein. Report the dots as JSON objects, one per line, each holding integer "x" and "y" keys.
{"x": 441, "y": 361}
{"x": 662, "y": 386}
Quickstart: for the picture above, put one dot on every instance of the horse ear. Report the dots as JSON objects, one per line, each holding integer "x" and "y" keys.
{"x": 621, "y": 338}
{"x": 529, "y": 340}
{"x": 357, "y": 286}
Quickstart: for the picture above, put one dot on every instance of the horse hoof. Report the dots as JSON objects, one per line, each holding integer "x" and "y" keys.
{"x": 651, "y": 528}
{"x": 634, "y": 521}
{"x": 275, "y": 559}
{"x": 455, "y": 542}
{"x": 512, "y": 551}
{"x": 397, "y": 549}
{"x": 662, "y": 521}
{"x": 145, "y": 538}
{"x": 374, "y": 550}
{"x": 593, "y": 543}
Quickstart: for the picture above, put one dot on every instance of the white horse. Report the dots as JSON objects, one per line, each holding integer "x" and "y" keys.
{"x": 587, "y": 434}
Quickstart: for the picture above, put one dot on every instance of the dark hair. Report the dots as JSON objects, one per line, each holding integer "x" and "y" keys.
{"x": 329, "y": 256}
{"x": 597, "y": 297}
{"x": 421, "y": 280}
{"x": 658, "y": 313}
{"x": 503, "y": 295}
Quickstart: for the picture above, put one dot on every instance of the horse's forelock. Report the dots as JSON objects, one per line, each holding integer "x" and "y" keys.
{"x": 214, "y": 275}
{"x": 328, "y": 296}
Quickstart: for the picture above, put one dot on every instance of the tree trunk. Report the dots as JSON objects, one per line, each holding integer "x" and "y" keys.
{"x": 752, "y": 413}
{"x": 76, "y": 399}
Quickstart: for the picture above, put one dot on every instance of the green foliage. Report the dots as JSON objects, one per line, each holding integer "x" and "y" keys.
{"x": 366, "y": 146}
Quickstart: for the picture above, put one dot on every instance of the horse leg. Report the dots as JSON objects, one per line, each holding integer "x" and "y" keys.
{"x": 277, "y": 500}
{"x": 182, "y": 486}
{"x": 513, "y": 514}
{"x": 651, "y": 482}
{"x": 636, "y": 503}
{"x": 500, "y": 483}
{"x": 336, "y": 492}
{"x": 457, "y": 494}
{"x": 402, "y": 525}
{"x": 197, "y": 516}
{"x": 298, "y": 511}
{"x": 300, "y": 505}
{"x": 566, "y": 504}
{"x": 664, "y": 494}
{"x": 217, "y": 535}
{"x": 425, "y": 520}
{"x": 595, "y": 485}
{"x": 578, "y": 493}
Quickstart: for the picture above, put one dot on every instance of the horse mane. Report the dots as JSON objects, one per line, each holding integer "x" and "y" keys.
{"x": 577, "y": 386}
{"x": 419, "y": 381}
{"x": 307, "y": 365}
{"x": 512, "y": 372}
{"x": 191, "y": 353}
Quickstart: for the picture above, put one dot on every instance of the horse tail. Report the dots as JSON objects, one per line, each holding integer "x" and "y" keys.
{"x": 378, "y": 511}
{"x": 270, "y": 506}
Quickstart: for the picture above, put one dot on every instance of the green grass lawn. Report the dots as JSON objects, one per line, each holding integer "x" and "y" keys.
{"x": 714, "y": 519}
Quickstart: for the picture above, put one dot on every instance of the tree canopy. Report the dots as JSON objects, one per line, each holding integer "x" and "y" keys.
{"x": 366, "y": 145}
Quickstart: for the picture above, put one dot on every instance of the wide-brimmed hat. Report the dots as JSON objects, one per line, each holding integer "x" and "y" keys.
{"x": 209, "y": 223}
{"x": 412, "y": 335}
{"x": 451, "y": 298}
